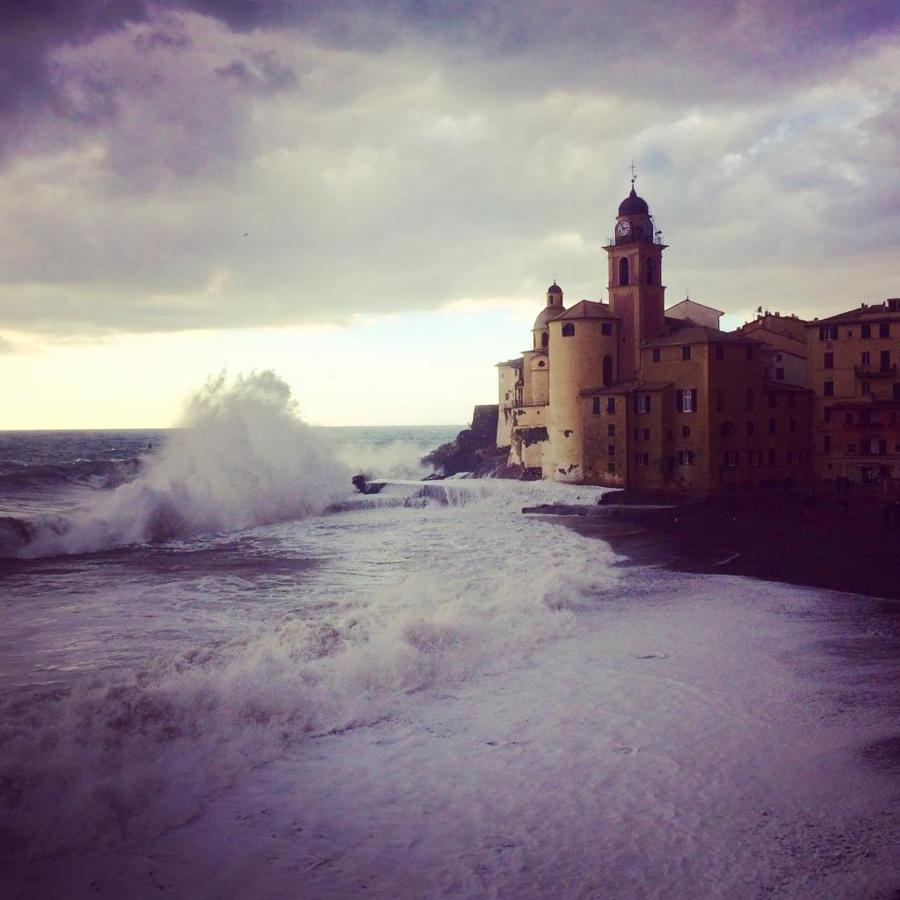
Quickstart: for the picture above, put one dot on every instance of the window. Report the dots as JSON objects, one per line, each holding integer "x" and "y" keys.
{"x": 884, "y": 329}
{"x": 773, "y": 399}
{"x": 606, "y": 328}
{"x": 866, "y": 388}
{"x": 731, "y": 458}
{"x": 610, "y": 430}
{"x": 851, "y": 449}
{"x": 685, "y": 430}
{"x": 779, "y": 374}
{"x": 686, "y": 400}
{"x": 607, "y": 371}
{"x": 749, "y": 352}
{"x": 771, "y": 457}
{"x": 545, "y": 340}
{"x": 611, "y": 468}
{"x": 610, "y": 404}
{"x": 792, "y": 426}
{"x": 848, "y": 418}
{"x": 790, "y": 457}
{"x": 685, "y": 457}
{"x": 828, "y": 389}
{"x": 651, "y": 271}
{"x": 541, "y": 364}
{"x": 726, "y": 429}
{"x": 828, "y": 332}
{"x": 755, "y": 457}
{"x": 829, "y": 360}
{"x": 637, "y": 434}
{"x": 865, "y": 331}
{"x": 610, "y": 449}
{"x": 623, "y": 271}
{"x": 642, "y": 459}
{"x": 750, "y": 429}
{"x": 686, "y": 352}
{"x": 749, "y": 399}
{"x": 792, "y": 400}
{"x": 885, "y": 361}
{"x": 642, "y": 403}
{"x": 826, "y": 414}
{"x": 896, "y": 391}
{"x": 656, "y": 354}
{"x": 596, "y": 409}
{"x": 568, "y": 330}
{"x": 645, "y": 434}
{"x": 773, "y": 426}
{"x": 826, "y": 444}
{"x": 720, "y": 351}
{"x": 720, "y": 400}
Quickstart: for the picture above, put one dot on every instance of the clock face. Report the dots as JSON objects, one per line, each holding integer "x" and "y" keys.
{"x": 623, "y": 228}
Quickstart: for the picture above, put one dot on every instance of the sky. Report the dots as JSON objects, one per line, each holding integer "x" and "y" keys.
{"x": 372, "y": 198}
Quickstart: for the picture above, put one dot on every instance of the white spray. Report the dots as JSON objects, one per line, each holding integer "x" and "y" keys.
{"x": 243, "y": 457}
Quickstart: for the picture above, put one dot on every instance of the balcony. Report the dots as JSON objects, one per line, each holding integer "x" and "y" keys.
{"x": 876, "y": 372}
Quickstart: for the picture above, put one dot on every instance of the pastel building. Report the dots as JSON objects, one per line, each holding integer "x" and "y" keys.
{"x": 632, "y": 393}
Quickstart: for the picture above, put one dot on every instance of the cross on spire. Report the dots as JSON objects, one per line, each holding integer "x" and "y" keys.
{"x": 633, "y": 176}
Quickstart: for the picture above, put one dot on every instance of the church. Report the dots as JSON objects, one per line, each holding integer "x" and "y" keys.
{"x": 631, "y": 393}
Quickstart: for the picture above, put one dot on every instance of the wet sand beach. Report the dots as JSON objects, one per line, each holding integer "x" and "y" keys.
{"x": 834, "y": 543}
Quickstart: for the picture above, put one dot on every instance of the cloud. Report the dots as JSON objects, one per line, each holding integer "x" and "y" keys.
{"x": 203, "y": 165}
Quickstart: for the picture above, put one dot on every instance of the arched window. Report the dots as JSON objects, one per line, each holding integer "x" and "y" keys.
{"x": 607, "y": 370}
{"x": 568, "y": 329}
{"x": 623, "y": 271}
{"x": 651, "y": 271}
{"x": 545, "y": 339}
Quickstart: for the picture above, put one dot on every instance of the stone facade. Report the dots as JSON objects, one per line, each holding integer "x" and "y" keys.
{"x": 630, "y": 393}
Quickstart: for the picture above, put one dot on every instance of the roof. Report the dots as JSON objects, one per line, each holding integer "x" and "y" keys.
{"x": 547, "y": 314}
{"x": 860, "y": 314}
{"x": 588, "y": 309}
{"x": 695, "y": 303}
{"x": 633, "y": 205}
{"x": 512, "y": 363}
{"x": 554, "y": 289}
{"x": 627, "y": 387}
{"x": 684, "y": 331}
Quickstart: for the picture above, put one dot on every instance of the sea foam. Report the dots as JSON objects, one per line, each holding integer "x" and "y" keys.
{"x": 242, "y": 457}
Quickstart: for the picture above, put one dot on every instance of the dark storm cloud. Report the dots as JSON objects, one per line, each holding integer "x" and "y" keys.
{"x": 207, "y": 164}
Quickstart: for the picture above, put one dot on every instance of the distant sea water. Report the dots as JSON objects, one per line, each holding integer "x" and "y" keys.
{"x": 225, "y": 673}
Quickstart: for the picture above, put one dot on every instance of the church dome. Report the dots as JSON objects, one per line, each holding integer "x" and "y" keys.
{"x": 547, "y": 314}
{"x": 633, "y": 205}
{"x": 554, "y": 289}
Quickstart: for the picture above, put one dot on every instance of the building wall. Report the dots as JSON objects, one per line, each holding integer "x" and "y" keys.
{"x": 536, "y": 378}
{"x": 862, "y": 412}
{"x": 648, "y": 435}
{"x": 577, "y": 366}
{"x": 507, "y": 377}
{"x": 604, "y": 421}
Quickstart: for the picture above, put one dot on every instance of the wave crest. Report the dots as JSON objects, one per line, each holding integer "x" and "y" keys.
{"x": 243, "y": 457}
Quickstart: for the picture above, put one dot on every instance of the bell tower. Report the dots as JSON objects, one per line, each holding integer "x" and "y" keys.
{"x": 636, "y": 292}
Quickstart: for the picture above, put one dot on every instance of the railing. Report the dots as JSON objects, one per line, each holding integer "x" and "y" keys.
{"x": 875, "y": 371}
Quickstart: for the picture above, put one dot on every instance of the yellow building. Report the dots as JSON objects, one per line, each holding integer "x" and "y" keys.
{"x": 629, "y": 393}
{"x": 853, "y": 372}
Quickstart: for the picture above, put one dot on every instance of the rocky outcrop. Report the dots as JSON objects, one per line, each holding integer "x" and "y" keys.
{"x": 472, "y": 450}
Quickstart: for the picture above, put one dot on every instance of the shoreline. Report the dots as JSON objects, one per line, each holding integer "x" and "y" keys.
{"x": 838, "y": 544}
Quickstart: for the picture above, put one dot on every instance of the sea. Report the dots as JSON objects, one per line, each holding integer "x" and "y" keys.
{"x": 226, "y": 673}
